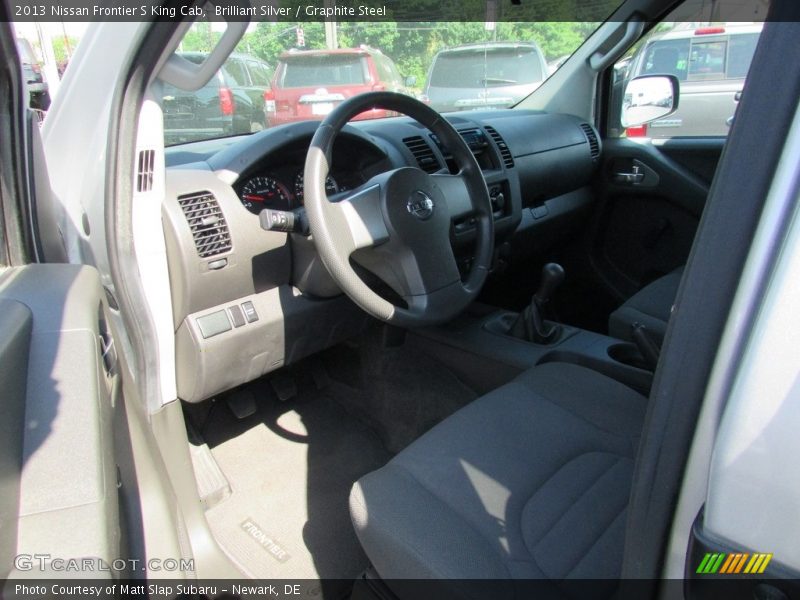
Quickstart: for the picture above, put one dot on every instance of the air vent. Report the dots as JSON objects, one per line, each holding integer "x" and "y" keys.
{"x": 144, "y": 172}
{"x": 591, "y": 137}
{"x": 209, "y": 229}
{"x": 423, "y": 153}
{"x": 505, "y": 152}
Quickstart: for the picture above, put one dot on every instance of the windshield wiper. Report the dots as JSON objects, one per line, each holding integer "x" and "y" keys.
{"x": 497, "y": 80}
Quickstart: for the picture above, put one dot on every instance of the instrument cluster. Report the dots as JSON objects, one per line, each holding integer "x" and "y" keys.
{"x": 283, "y": 189}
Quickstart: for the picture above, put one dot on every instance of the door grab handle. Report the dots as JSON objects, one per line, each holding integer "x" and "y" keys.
{"x": 632, "y": 178}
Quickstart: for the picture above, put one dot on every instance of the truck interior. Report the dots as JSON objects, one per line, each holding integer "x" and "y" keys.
{"x": 478, "y": 351}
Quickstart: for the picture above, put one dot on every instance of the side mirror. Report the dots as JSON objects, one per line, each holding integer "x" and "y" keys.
{"x": 411, "y": 81}
{"x": 648, "y": 98}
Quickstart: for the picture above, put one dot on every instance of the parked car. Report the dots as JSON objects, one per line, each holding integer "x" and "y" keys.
{"x": 231, "y": 103}
{"x": 38, "y": 90}
{"x": 308, "y": 84}
{"x": 711, "y": 64}
{"x": 491, "y": 75}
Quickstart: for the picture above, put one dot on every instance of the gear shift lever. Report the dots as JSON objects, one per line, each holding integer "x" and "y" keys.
{"x": 552, "y": 278}
{"x": 530, "y": 324}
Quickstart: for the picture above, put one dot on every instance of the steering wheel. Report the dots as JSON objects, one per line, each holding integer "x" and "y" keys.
{"x": 397, "y": 224}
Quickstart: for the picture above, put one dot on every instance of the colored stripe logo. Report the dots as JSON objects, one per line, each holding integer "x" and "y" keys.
{"x": 733, "y": 563}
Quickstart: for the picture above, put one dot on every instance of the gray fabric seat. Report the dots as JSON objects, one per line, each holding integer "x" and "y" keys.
{"x": 651, "y": 306}
{"x": 529, "y": 481}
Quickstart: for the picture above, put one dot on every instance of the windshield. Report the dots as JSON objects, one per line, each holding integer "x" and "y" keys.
{"x": 288, "y": 72}
{"x": 284, "y": 72}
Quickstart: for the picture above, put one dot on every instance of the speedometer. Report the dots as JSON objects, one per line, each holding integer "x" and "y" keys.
{"x": 259, "y": 193}
{"x": 331, "y": 187}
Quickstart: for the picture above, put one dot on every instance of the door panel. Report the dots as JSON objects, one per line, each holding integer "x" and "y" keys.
{"x": 57, "y": 401}
{"x": 16, "y": 321}
{"x": 699, "y": 156}
{"x": 651, "y": 195}
{"x": 58, "y": 474}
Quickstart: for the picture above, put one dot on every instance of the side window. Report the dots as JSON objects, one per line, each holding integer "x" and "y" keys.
{"x": 666, "y": 57}
{"x": 740, "y": 54}
{"x": 707, "y": 61}
{"x": 258, "y": 73}
{"x": 237, "y": 74}
{"x": 710, "y": 62}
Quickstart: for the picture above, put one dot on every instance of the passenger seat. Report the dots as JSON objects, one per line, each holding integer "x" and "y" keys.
{"x": 651, "y": 306}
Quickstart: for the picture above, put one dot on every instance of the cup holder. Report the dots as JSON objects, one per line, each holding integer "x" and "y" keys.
{"x": 627, "y": 354}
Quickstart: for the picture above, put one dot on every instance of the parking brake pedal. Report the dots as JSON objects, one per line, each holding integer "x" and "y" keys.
{"x": 284, "y": 386}
{"x": 242, "y": 404}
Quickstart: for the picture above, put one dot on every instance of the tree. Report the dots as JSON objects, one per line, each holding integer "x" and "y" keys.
{"x": 200, "y": 38}
{"x": 271, "y": 39}
{"x": 64, "y": 47}
{"x": 411, "y": 45}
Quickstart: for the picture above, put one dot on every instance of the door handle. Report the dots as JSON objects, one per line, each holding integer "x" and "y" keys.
{"x": 633, "y": 178}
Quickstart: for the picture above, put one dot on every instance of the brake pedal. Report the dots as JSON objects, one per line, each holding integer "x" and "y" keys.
{"x": 284, "y": 386}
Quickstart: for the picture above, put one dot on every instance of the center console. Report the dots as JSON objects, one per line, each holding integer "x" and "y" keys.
{"x": 500, "y": 356}
{"x": 487, "y": 347}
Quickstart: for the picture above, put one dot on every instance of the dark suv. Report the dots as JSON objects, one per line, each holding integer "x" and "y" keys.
{"x": 34, "y": 78}
{"x": 232, "y": 102}
{"x": 308, "y": 84}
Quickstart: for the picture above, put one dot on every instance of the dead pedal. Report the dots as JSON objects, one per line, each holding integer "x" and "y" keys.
{"x": 212, "y": 485}
{"x": 242, "y": 404}
{"x": 284, "y": 387}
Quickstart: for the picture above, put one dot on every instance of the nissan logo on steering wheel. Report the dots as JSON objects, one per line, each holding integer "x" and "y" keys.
{"x": 420, "y": 205}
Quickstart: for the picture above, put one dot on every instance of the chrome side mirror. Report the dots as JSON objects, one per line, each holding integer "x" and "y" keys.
{"x": 648, "y": 98}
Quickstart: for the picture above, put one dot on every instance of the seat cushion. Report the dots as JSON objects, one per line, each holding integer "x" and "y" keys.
{"x": 529, "y": 481}
{"x": 651, "y": 306}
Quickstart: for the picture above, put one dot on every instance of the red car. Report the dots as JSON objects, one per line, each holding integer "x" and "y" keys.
{"x": 308, "y": 84}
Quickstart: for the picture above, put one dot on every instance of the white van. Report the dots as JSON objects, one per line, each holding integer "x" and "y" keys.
{"x": 711, "y": 64}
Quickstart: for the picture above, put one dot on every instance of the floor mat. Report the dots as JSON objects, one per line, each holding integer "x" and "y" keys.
{"x": 401, "y": 392}
{"x": 291, "y": 466}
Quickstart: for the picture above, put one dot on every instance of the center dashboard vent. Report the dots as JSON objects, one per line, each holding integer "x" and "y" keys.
{"x": 505, "y": 152}
{"x": 207, "y": 223}
{"x": 591, "y": 137}
{"x": 426, "y": 159}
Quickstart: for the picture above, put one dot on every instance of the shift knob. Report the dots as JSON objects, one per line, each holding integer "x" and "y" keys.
{"x": 552, "y": 277}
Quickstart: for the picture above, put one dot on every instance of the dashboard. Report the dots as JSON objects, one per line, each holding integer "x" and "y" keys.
{"x": 248, "y": 301}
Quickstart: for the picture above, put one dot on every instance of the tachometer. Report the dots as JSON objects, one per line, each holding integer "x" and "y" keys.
{"x": 331, "y": 187}
{"x": 265, "y": 192}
